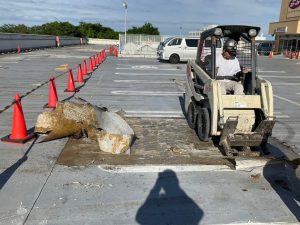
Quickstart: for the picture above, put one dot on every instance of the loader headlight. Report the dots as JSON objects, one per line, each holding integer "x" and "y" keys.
{"x": 218, "y": 31}
{"x": 252, "y": 33}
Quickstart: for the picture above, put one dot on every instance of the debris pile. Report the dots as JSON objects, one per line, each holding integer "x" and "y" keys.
{"x": 82, "y": 119}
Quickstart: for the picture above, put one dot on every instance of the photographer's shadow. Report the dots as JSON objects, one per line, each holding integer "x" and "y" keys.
{"x": 167, "y": 203}
{"x": 284, "y": 180}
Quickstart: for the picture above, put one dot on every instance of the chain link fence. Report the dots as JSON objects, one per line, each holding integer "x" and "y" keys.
{"x": 139, "y": 44}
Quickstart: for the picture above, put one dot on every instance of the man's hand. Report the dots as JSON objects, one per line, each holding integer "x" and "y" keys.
{"x": 245, "y": 70}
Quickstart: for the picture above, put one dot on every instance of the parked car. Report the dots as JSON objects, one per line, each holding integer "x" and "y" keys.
{"x": 178, "y": 49}
{"x": 162, "y": 45}
{"x": 265, "y": 48}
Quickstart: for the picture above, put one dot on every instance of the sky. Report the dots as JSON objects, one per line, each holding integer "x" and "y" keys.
{"x": 171, "y": 17}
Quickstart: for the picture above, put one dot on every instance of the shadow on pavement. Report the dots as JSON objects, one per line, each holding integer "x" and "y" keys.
{"x": 284, "y": 177}
{"x": 181, "y": 102}
{"x": 167, "y": 203}
{"x": 7, "y": 174}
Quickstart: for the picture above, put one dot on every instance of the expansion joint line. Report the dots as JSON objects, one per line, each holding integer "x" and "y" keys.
{"x": 40, "y": 192}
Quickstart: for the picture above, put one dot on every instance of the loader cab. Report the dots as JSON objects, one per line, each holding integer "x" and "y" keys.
{"x": 209, "y": 48}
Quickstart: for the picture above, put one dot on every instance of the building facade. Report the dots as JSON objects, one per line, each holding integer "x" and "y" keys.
{"x": 287, "y": 29}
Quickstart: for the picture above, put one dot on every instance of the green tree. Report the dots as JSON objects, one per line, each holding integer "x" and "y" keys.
{"x": 11, "y": 28}
{"x": 56, "y": 28}
{"x": 92, "y": 30}
{"x": 147, "y": 28}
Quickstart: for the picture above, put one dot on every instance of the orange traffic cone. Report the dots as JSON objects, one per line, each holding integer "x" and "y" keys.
{"x": 99, "y": 60}
{"x": 101, "y": 57}
{"x": 94, "y": 62}
{"x": 71, "y": 85}
{"x": 84, "y": 69}
{"x": 19, "y": 49}
{"x": 19, "y": 132}
{"x": 271, "y": 55}
{"x": 91, "y": 66}
{"x": 52, "y": 100}
{"x": 116, "y": 53}
{"x": 79, "y": 75}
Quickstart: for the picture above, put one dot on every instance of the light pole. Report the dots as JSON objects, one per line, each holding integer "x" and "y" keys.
{"x": 125, "y": 6}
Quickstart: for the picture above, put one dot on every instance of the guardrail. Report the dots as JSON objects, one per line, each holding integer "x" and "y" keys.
{"x": 11, "y": 42}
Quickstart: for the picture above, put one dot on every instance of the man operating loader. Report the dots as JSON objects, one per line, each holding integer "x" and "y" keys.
{"x": 229, "y": 70}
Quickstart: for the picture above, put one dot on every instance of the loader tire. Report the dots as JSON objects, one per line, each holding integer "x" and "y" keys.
{"x": 203, "y": 125}
{"x": 191, "y": 116}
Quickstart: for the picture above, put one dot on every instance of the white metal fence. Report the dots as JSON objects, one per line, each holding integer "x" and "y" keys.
{"x": 139, "y": 44}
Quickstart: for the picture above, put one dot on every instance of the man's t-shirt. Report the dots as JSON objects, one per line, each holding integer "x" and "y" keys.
{"x": 227, "y": 67}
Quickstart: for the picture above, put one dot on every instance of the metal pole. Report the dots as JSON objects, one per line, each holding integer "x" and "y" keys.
{"x": 253, "y": 68}
{"x": 126, "y": 24}
{"x": 213, "y": 61}
{"x": 125, "y": 6}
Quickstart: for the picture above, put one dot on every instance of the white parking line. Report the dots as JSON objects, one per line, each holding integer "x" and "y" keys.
{"x": 154, "y": 115}
{"x": 138, "y": 66}
{"x": 147, "y": 93}
{"x": 282, "y": 116}
{"x": 10, "y": 62}
{"x": 133, "y": 59}
{"x": 274, "y": 71}
{"x": 144, "y": 81}
{"x": 130, "y": 68}
{"x": 284, "y": 84}
{"x": 287, "y": 100}
{"x": 279, "y": 115}
{"x": 280, "y": 76}
{"x": 151, "y": 74}
{"x": 154, "y": 112}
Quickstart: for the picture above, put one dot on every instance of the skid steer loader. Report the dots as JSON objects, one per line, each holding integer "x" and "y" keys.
{"x": 240, "y": 123}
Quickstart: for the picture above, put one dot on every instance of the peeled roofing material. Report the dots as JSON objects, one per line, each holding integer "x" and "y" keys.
{"x": 71, "y": 118}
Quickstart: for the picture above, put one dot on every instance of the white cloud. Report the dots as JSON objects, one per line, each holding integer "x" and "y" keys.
{"x": 168, "y": 16}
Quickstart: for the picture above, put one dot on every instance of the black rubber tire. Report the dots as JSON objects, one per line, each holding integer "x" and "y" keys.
{"x": 203, "y": 125}
{"x": 191, "y": 116}
{"x": 174, "y": 59}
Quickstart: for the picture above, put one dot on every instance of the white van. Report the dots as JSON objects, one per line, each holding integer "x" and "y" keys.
{"x": 162, "y": 45}
{"x": 179, "y": 49}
